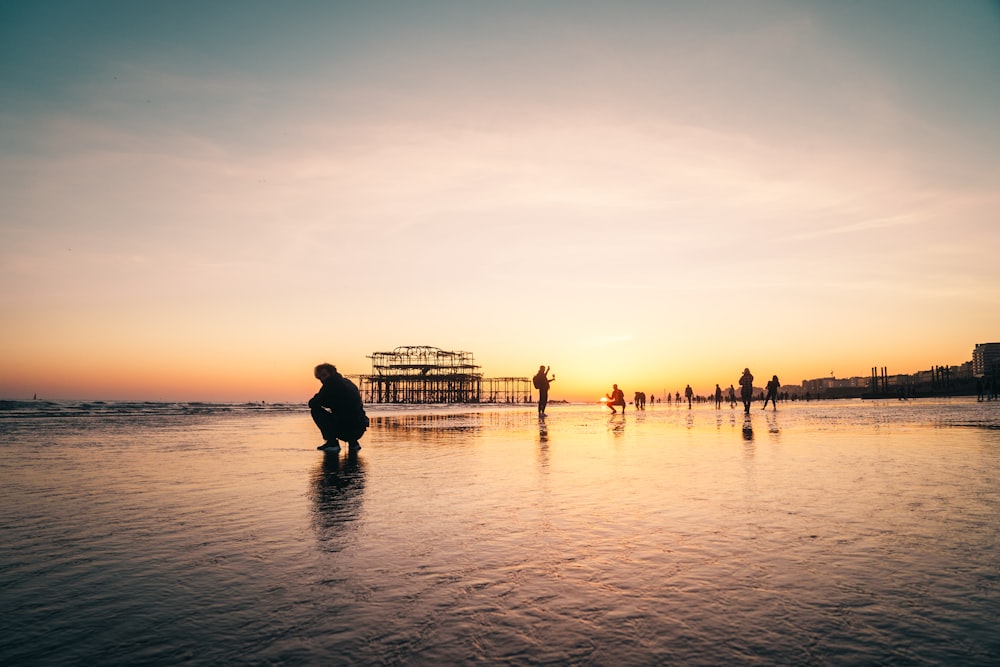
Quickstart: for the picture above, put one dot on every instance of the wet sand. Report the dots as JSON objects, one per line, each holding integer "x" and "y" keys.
{"x": 833, "y": 533}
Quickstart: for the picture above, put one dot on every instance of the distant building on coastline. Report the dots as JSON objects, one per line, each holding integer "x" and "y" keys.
{"x": 986, "y": 360}
{"x": 831, "y": 387}
{"x": 945, "y": 380}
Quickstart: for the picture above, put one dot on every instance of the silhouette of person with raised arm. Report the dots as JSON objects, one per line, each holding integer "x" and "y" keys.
{"x": 338, "y": 410}
{"x": 746, "y": 389}
{"x": 616, "y": 397}
{"x": 542, "y": 382}
{"x": 772, "y": 393}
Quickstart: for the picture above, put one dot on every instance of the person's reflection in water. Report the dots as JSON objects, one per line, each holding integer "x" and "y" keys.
{"x": 747, "y": 427}
{"x": 543, "y": 454}
{"x": 772, "y": 423}
{"x": 338, "y": 486}
{"x": 617, "y": 423}
{"x": 543, "y": 430}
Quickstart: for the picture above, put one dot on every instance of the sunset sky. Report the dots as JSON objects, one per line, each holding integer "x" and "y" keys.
{"x": 202, "y": 200}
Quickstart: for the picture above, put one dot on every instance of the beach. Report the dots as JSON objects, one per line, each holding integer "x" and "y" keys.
{"x": 823, "y": 533}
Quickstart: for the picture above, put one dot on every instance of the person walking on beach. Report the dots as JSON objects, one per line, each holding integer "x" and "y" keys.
{"x": 542, "y": 382}
{"x": 640, "y": 400}
{"x": 616, "y": 397}
{"x": 731, "y": 399}
{"x": 772, "y": 393}
{"x": 746, "y": 389}
{"x": 338, "y": 410}
{"x": 688, "y": 394}
{"x": 718, "y": 396}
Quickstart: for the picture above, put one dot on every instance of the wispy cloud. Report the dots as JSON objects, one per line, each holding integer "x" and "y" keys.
{"x": 862, "y": 226}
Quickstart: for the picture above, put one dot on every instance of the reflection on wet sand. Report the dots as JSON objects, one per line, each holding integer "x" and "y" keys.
{"x": 470, "y": 421}
{"x": 849, "y": 533}
{"x": 338, "y": 487}
{"x": 772, "y": 422}
{"x": 616, "y": 424}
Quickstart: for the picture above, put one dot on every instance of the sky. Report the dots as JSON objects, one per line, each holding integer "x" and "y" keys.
{"x": 201, "y": 201}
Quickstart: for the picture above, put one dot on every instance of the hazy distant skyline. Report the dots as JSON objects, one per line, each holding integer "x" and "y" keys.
{"x": 203, "y": 200}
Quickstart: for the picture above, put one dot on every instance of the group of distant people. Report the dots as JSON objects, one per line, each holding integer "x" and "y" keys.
{"x": 617, "y": 398}
{"x": 987, "y": 389}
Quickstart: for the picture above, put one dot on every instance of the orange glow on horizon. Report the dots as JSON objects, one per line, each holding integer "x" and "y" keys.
{"x": 134, "y": 376}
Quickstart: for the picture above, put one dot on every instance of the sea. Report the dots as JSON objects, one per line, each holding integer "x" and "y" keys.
{"x": 821, "y": 533}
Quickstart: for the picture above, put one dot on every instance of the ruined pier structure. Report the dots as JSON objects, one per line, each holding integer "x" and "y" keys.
{"x": 423, "y": 374}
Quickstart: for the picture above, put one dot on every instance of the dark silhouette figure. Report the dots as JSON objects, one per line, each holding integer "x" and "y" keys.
{"x": 718, "y": 397}
{"x": 338, "y": 410}
{"x": 616, "y": 397}
{"x": 640, "y": 400}
{"x": 542, "y": 382}
{"x": 746, "y": 389}
{"x": 772, "y": 393}
{"x": 732, "y": 397}
{"x": 688, "y": 394}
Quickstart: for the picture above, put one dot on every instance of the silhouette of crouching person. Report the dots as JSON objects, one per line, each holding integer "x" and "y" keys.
{"x": 616, "y": 397}
{"x": 337, "y": 409}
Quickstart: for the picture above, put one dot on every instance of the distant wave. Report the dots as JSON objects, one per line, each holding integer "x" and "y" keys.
{"x": 820, "y": 414}
{"x": 44, "y": 409}
{"x": 49, "y": 409}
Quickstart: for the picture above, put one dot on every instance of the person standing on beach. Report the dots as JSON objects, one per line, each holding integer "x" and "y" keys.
{"x": 338, "y": 410}
{"x": 718, "y": 396}
{"x": 731, "y": 399}
{"x": 542, "y": 382}
{"x": 616, "y": 397}
{"x": 746, "y": 389}
{"x": 688, "y": 394}
{"x": 772, "y": 393}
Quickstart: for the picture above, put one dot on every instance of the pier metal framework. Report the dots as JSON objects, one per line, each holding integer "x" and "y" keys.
{"x": 424, "y": 374}
{"x": 507, "y": 390}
